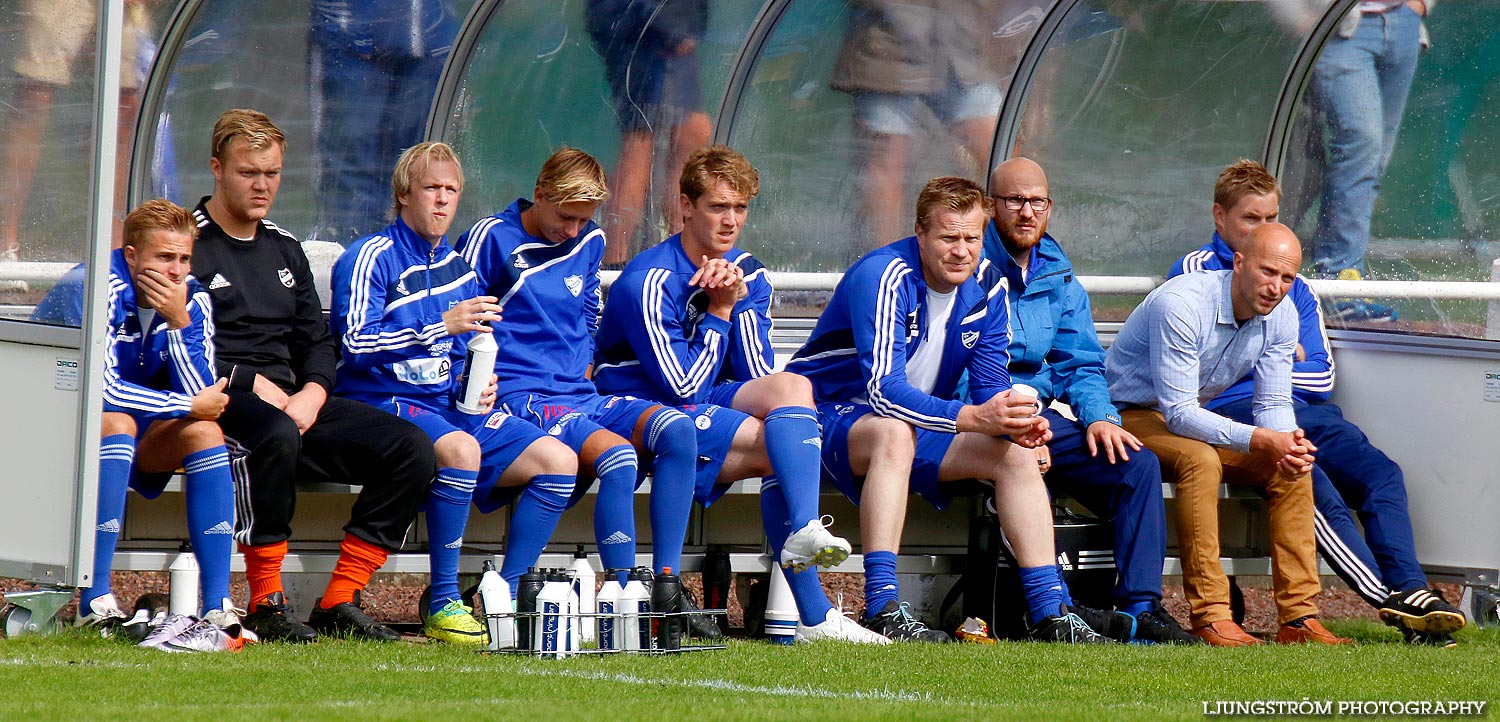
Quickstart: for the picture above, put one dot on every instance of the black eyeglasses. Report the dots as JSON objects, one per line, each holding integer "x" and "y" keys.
{"x": 1014, "y": 203}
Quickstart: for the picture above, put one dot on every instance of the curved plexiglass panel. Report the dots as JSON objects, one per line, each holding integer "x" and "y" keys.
{"x": 47, "y": 94}
{"x": 1134, "y": 109}
{"x": 636, "y": 83}
{"x": 350, "y": 83}
{"x": 851, "y": 106}
{"x": 1391, "y": 168}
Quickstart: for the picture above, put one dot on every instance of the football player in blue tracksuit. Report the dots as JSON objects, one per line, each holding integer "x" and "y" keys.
{"x": 1350, "y": 472}
{"x": 905, "y": 323}
{"x": 540, "y": 259}
{"x": 688, "y": 324}
{"x": 160, "y": 403}
{"x": 1054, "y": 349}
{"x": 404, "y": 304}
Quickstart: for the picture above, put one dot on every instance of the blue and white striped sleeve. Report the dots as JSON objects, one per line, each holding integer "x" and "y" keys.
{"x": 123, "y": 396}
{"x": 1313, "y": 376}
{"x": 1174, "y": 329}
{"x": 750, "y": 351}
{"x": 682, "y": 368}
{"x": 879, "y": 302}
{"x": 369, "y": 333}
{"x": 191, "y": 348}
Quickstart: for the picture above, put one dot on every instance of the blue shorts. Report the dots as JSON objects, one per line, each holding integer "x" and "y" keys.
{"x": 716, "y": 427}
{"x": 932, "y": 446}
{"x": 502, "y": 439}
{"x": 148, "y": 485}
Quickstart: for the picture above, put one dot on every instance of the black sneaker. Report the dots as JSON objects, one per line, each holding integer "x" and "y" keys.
{"x": 699, "y": 625}
{"x": 347, "y": 619}
{"x": 1421, "y": 610}
{"x": 1066, "y": 627}
{"x": 272, "y": 622}
{"x": 1118, "y": 626}
{"x": 1155, "y": 626}
{"x": 896, "y": 622}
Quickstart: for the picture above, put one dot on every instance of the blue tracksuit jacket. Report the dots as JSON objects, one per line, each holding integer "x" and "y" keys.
{"x": 153, "y": 373}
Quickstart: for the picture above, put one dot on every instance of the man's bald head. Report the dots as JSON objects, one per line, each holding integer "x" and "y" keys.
{"x": 1265, "y": 267}
{"x": 1020, "y": 228}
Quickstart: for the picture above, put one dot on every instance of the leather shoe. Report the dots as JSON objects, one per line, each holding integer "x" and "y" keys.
{"x": 1308, "y": 630}
{"x": 1225, "y": 634}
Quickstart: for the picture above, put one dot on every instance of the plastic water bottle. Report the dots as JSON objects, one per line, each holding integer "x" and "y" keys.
{"x": 571, "y": 632}
{"x": 528, "y": 587}
{"x": 667, "y": 630}
{"x": 608, "y": 606}
{"x": 635, "y": 602}
{"x": 583, "y": 582}
{"x": 183, "y": 581}
{"x": 549, "y": 638}
{"x": 494, "y": 593}
{"x": 478, "y": 368}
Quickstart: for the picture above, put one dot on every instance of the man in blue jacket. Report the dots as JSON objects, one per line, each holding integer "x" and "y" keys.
{"x": 1054, "y": 349}
{"x": 1382, "y": 563}
{"x": 905, "y": 323}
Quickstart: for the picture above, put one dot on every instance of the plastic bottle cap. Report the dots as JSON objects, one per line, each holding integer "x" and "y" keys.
{"x": 666, "y": 570}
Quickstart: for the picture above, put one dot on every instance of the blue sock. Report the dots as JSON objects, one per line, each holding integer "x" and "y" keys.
{"x": 614, "y": 508}
{"x": 793, "y": 441}
{"x": 115, "y": 456}
{"x": 532, "y": 524}
{"x": 1067, "y": 596}
{"x": 671, "y": 436}
{"x": 807, "y": 590}
{"x": 447, "y": 515}
{"x": 880, "y": 582}
{"x": 1135, "y": 609}
{"x": 210, "y": 518}
{"x": 1043, "y": 589}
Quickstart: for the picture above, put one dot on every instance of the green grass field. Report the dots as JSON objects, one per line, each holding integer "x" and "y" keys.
{"x": 72, "y": 677}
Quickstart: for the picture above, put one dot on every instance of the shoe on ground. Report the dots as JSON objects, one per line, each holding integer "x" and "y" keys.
{"x": 1225, "y": 634}
{"x": 814, "y": 545}
{"x": 166, "y": 628}
{"x": 1421, "y": 610}
{"x": 346, "y": 619}
{"x": 1066, "y": 627}
{"x": 1446, "y": 641}
{"x": 206, "y": 636}
{"x": 226, "y": 616}
{"x": 103, "y": 614}
{"x": 698, "y": 625}
{"x": 272, "y": 621}
{"x": 1308, "y": 630}
{"x": 455, "y": 624}
{"x": 1118, "y": 626}
{"x": 896, "y": 623}
{"x": 837, "y": 627}
{"x": 1155, "y": 626}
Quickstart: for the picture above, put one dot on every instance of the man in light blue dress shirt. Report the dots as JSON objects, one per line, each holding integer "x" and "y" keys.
{"x": 1188, "y": 341}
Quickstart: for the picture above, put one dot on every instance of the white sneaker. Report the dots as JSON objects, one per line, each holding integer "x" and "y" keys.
{"x": 103, "y": 614}
{"x": 838, "y": 627}
{"x": 167, "y": 629}
{"x": 205, "y": 636}
{"x": 814, "y": 545}
{"x": 226, "y": 616}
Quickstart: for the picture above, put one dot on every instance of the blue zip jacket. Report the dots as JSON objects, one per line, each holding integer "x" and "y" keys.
{"x": 390, "y": 291}
{"x": 154, "y": 373}
{"x": 549, "y": 293}
{"x": 658, "y": 341}
{"x": 1053, "y": 345}
{"x": 860, "y": 346}
{"x": 1312, "y": 377}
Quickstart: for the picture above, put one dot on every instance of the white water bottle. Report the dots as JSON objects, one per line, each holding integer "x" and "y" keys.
{"x": 608, "y": 606}
{"x": 583, "y": 581}
{"x": 183, "y": 581}
{"x": 549, "y": 634}
{"x": 478, "y": 369}
{"x": 494, "y": 594}
{"x": 634, "y": 628}
{"x": 570, "y": 614}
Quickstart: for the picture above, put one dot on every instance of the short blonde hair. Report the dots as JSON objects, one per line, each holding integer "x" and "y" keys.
{"x": 1244, "y": 178}
{"x": 713, "y": 163}
{"x": 413, "y": 163}
{"x": 253, "y": 126}
{"x": 158, "y": 215}
{"x": 951, "y": 192}
{"x": 572, "y": 176}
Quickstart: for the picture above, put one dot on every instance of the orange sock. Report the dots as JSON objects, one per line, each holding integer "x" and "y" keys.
{"x": 358, "y": 561}
{"x": 263, "y": 569}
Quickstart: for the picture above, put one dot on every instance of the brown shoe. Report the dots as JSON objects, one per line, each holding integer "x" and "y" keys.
{"x": 1308, "y": 630}
{"x": 1226, "y": 634}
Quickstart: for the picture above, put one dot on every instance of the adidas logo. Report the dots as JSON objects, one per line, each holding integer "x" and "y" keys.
{"x": 110, "y": 527}
{"x": 618, "y": 537}
{"x": 455, "y": 544}
{"x": 814, "y": 441}
{"x": 521, "y": 263}
{"x": 222, "y": 527}
{"x": 219, "y": 282}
